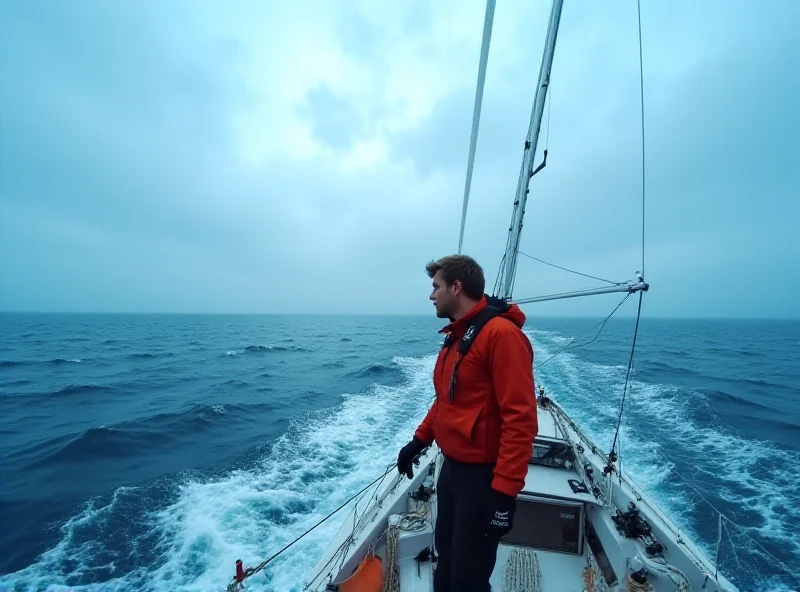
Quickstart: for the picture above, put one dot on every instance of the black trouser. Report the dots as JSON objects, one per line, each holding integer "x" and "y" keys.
{"x": 466, "y": 555}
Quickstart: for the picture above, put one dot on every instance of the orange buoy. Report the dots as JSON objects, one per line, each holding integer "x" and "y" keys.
{"x": 368, "y": 577}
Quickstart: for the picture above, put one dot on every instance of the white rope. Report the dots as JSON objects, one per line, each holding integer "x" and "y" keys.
{"x": 522, "y": 573}
{"x": 392, "y": 581}
{"x": 409, "y": 522}
{"x": 683, "y": 584}
{"x": 476, "y": 114}
{"x": 634, "y": 586}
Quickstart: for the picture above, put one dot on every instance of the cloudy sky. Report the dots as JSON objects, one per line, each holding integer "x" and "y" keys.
{"x": 252, "y": 156}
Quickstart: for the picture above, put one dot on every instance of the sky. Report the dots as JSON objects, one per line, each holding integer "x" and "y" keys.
{"x": 310, "y": 157}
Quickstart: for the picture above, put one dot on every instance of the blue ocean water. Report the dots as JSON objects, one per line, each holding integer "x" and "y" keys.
{"x": 144, "y": 452}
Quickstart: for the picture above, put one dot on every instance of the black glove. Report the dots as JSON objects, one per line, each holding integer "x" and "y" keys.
{"x": 407, "y": 455}
{"x": 500, "y": 510}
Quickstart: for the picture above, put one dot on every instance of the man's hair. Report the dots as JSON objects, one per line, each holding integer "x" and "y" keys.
{"x": 462, "y": 268}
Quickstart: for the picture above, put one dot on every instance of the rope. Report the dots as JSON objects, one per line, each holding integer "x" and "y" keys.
{"x": 408, "y": 522}
{"x": 571, "y": 345}
{"x": 661, "y": 566}
{"x": 476, "y": 115}
{"x": 238, "y": 585}
{"x": 641, "y": 95}
{"x": 589, "y": 577}
{"x": 635, "y": 586}
{"x": 522, "y": 573}
{"x": 570, "y": 270}
{"x": 392, "y": 581}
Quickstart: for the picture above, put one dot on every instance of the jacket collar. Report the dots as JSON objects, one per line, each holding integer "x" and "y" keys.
{"x": 459, "y": 327}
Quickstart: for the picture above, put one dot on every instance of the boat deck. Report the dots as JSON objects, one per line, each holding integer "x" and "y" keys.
{"x": 558, "y": 572}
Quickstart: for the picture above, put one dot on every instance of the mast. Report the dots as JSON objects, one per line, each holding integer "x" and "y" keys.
{"x": 526, "y": 171}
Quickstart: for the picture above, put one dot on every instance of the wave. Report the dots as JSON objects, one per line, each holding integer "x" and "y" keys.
{"x": 675, "y": 352}
{"x": 671, "y": 371}
{"x": 266, "y": 349}
{"x": 261, "y": 348}
{"x": 336, "y": 364}
{"x": 79, "y": 389}
{"x": 151, "y": 355}
{"x": 17, "y": 382}
{"x": 658, "y": 366}
{"x": 376, "y": 371}
{"x": 274, "y": 348}
{"x": 138, "y": 437}
{"x": 724, "y": 398}
{"x": 53, "y": 362}
{"x": 729, "y": 351}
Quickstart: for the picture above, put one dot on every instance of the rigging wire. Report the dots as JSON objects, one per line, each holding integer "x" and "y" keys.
{"x": 570, "y": 270}
{"x": 476, "y": 115}
{"x": 627, "y": 377}
{"x": 641, "y": 96}
{"x": 612, "y": 455}
{"x": 739, "y": 527}
{"x": 499, "y": 273}
{"x": 571, "y": 345}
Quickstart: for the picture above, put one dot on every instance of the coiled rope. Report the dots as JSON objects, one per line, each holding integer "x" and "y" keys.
{"x": 522, "y": 572}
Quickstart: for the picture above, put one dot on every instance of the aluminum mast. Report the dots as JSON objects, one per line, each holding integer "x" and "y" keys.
{"x": 526, "y": 172}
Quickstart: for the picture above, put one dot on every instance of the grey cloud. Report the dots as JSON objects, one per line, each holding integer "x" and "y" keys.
{"x": 333, "y": 119}
{"x": 121, "y": 189}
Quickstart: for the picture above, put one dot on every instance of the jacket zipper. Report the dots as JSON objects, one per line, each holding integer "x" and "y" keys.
{"x": 444, "y": 366}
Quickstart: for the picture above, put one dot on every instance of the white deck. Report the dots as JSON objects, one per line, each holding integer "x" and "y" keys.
{"x": 547, "y": 425}
{"x": 552, "y": 482}
{"x": 415, "y": 577}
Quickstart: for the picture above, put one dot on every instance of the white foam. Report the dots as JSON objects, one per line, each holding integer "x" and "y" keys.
{"x": 47, "y": 572}
{"x": 320, "y": 462}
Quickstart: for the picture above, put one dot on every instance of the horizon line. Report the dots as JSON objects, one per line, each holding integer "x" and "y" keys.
{"x": 382, "y": 314}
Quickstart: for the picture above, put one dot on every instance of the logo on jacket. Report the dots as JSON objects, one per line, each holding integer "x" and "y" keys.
{"x": 470, "y": 332}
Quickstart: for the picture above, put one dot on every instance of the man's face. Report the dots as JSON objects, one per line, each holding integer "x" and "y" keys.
{"x": 444, "y": 297}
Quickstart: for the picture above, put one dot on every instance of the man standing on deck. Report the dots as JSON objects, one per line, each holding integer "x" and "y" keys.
{"x": 483, "y": 419}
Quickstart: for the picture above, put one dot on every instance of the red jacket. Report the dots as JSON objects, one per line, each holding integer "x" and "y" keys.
{"x": 492, "y": 417}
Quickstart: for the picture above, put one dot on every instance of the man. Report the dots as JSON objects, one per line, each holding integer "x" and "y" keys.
{"x": 483, "y": 419}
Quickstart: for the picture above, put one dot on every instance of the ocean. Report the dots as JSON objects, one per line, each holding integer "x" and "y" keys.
{"x": 149, "y": 452}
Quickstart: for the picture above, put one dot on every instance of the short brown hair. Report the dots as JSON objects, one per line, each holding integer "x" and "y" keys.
{"x": 462, "y": 268}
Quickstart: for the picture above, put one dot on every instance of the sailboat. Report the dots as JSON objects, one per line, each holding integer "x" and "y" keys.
{"x": 581, "y": 521}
